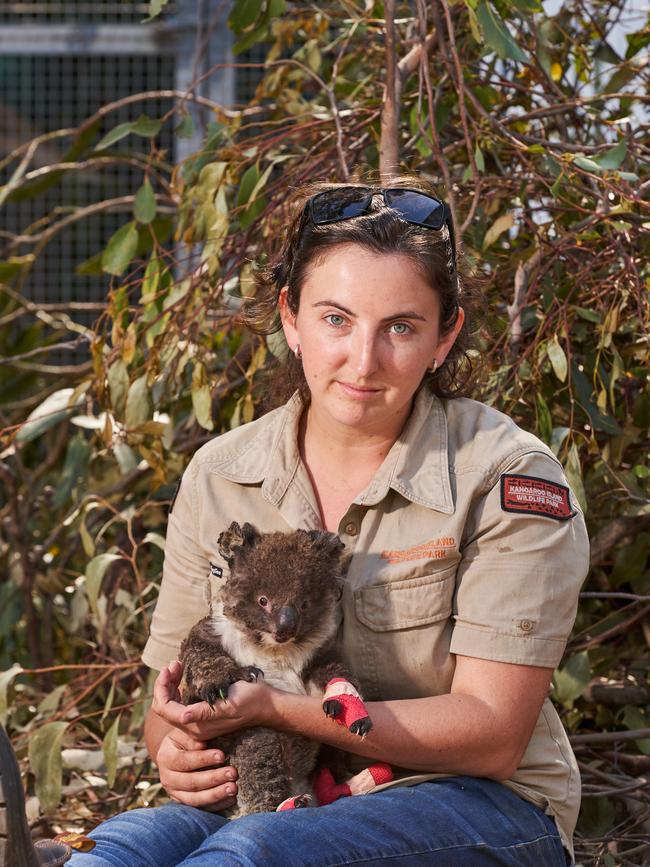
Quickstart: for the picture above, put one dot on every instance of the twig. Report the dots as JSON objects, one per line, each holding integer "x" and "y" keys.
{"x": 610, "y": 737}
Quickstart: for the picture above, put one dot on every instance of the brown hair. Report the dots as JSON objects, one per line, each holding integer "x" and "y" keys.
{"x": 382, "y": 231}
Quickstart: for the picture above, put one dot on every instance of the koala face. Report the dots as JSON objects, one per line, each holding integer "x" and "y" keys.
{"x": 283, "y": 587}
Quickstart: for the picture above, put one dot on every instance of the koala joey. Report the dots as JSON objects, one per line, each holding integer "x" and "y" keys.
{"x": 275, "y": 616}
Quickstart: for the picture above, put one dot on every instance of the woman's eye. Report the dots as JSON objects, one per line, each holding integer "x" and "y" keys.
{"x": 335, "y": 320}
{"x": 400, "y": 328}
{"x": 263, "y": 601}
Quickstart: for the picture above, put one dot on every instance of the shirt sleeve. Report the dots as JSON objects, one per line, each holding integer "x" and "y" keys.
{"x": 186, "y": 569}
{"x": 525, "y": 556}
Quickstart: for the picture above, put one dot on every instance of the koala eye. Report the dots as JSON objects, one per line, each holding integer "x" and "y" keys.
{"x": 263, "y": 601}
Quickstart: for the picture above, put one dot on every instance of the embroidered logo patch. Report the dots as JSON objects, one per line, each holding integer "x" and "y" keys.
{"x": 535, "y": 497}
{"x": 434, "y": 549}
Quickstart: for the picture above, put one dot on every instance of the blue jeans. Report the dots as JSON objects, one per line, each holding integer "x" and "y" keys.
{"x": 448, "y": 823}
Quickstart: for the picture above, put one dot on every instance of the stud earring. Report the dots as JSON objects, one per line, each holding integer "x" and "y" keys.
{"x": 297, "y": 351}
{"x": 434, "y": 366}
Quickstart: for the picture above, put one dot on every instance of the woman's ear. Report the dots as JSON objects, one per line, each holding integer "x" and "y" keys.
{"x": 288, "y": 319}
{"x": 448, "y": 339}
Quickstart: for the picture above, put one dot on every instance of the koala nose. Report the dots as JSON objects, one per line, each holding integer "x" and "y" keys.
{"x": 287, "y": 623}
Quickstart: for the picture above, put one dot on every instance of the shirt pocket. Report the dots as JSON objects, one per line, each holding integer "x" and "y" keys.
{"x": 406, "y": 603}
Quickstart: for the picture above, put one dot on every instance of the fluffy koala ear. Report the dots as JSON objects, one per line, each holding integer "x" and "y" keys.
{"x": 236, "y": 537}
{"x": 329, "y": 543}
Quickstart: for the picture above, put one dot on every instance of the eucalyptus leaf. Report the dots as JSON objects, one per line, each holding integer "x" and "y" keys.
{"x": 571, "y": 680}
{"x": 500, "y": 225}
{"x": 6, "y": 678}
{"x": 144, "y": 206}
{"x": 109, "y": 747}
{"x": 138, "y": 403}
{"x": 120, "y": 250}
{"x": 45, "y": 761}
{"x": 202, "y": 403}
{"x": 54, "y": 409}
{"x": 95, "y": 572}
{"x": 558, "y": 358}
{"x": 496, "y": 33}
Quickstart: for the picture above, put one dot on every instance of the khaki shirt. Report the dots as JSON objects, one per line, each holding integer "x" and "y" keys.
{"x": 466, "y": 541}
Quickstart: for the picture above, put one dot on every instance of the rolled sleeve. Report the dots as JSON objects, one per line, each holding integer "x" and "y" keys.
{"x": 520, "y": 575}
{"x": 182, "y": 597}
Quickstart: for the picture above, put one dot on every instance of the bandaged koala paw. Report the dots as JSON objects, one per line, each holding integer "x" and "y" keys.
{"x": 296, "y": 802}
{"x": 343, "y": 704}
{"x": 327, "y": 790}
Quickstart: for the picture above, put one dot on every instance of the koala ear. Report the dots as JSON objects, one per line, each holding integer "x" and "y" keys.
{"x": 329, "y": 543}
{"x": 236, "y": 537}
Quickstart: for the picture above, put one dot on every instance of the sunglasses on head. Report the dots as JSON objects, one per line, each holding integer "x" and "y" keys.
{"x": 416, "y": 208}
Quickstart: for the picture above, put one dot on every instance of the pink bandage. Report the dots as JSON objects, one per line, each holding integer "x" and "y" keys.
{"x": 352, "y": 707}
{"x": 327, "y": 790}
{"x": 290, "y": 803}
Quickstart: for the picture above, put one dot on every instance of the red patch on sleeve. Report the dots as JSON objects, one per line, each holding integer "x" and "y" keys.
{"x": 535, "y": 496}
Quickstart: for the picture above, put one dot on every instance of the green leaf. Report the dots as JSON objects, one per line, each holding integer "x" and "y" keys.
{"x": 202, "y": 403}
{"x": 244, "y": 14}
{"x": 45, "y": 761}
{"x": 48, "y": 414}
{"x": 10, "y": 268}
{"x": 120, "y": 249}
{"x": 570, "y": 681}
{"x": 277, "y": 344}
{"x": 544, "y": 420}
{"x": 497, "y": 35}
{"x": 6, "y": 678}
{"x": 52, "y": 700}
{"x": 613, "y": 158}
{"x": 75, "y": 469}
{"x": 558, "y": 359}
{"x": 118, "y": 385}
{"x": 155, "y": 8}
{"x": 587, "y": 164}
{"x": 144, "y": 206}
{"x": 500, "y": 225}
{"x": 186, "y": 127}
{"x": 138, "y": 403}
{"x": 95, "y": 572}
{"x": 144, "y": 126}
{"x": 247, "y": 184}
{"x": 558, "y": 435}
{"x": 109, "y": 747}
{"x": 573, "y": 472}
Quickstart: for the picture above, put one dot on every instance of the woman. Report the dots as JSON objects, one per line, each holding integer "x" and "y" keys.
{"x": 468, "y": 552}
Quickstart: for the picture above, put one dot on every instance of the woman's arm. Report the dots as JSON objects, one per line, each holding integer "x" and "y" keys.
{"x": 481, "y": 728}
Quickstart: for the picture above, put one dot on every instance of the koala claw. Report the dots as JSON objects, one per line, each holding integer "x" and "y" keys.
{"x": 214, "y": 692}
{"x": 361, "y": 726}
{"x": 332, "y": 708}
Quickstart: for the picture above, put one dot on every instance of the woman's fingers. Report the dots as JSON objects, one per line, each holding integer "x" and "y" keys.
{"x": 199, "y": 782}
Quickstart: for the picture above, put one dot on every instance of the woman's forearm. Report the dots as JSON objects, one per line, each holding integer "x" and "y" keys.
{"x": 155, "y": 729}
{"x": 456, "y": 734}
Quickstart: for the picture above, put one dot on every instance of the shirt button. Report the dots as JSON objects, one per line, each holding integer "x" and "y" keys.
{"x": 526, "y": 625}
{"x": 351, "y": 529}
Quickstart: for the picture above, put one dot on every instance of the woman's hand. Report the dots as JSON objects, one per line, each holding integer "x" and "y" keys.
{"x": 248, "y": 704}
{"x": 194, "y": 775}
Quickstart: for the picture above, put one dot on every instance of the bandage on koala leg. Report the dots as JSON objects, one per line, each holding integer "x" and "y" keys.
{"x": 293, "y": 803}
{"x": 343, "y": 703}
{"x": 327, "y": 790}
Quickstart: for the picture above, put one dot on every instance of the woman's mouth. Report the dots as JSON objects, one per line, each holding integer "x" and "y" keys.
{"x": 359, "y": 391}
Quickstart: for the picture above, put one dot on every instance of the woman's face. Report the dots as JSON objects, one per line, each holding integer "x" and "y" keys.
{"x": 368, "y": 329}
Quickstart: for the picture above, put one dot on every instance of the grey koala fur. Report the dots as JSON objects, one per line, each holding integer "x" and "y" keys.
{"x": 274, "y": 615}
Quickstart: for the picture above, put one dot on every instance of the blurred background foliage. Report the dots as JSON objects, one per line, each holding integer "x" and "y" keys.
{"x": 531, "y": 119}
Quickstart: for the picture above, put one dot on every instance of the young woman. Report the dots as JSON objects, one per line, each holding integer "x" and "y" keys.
{"x": 467, "y": 554}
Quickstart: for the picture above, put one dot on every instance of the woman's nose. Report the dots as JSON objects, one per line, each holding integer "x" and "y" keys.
{"x": 365, "y": 354}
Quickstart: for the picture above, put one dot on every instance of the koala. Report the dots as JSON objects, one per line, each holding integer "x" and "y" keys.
{"x": 275, "y": 616}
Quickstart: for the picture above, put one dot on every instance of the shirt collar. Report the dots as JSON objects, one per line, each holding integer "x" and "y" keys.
{"x": 417, "y": 466}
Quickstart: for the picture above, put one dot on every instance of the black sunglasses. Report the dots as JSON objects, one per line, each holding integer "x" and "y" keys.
{"x": 419, "y": 209}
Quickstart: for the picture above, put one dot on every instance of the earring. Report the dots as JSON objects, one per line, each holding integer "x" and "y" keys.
{"x": 434, "y": 366}
{"x": 297, "y": 351}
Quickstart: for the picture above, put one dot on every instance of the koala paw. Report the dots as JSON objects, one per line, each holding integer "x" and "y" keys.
{"x": 214, "y": 692}
{"x": 294, "y": 803}
{"x": 343, "y": 704}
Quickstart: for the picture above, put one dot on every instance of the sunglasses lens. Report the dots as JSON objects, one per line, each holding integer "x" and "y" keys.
{"x": 331, "y": 206}
{"x": 416, "y": 207}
